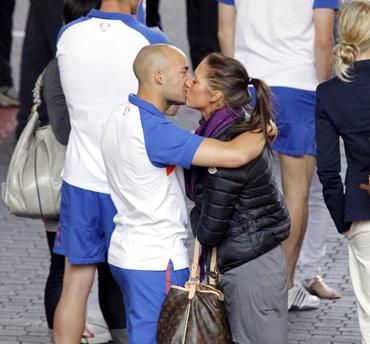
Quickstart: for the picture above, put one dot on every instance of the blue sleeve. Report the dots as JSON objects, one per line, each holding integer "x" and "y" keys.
{"x": 334, "y": 4}
{"x": 166, "y": 144}
{"x": 154, "y": 36}
{"x": 227, "y": 2}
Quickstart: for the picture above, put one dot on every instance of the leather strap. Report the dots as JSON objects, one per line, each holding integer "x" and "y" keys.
{"x": 194, "y": 273}
{"x": 213, "y": 268}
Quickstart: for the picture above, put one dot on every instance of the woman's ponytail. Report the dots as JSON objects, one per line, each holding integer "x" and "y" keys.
{"x": 354, "y": 37}
{"x": 344, "y": 57}
{"x": 262, "y": 112}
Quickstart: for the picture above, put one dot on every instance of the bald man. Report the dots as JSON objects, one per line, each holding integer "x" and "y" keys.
{"x": 144, "y": 154}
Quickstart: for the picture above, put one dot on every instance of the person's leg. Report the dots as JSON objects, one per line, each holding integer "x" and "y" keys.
{"x": 193, "y": 16}
{"x": 81, "y": 240}
{"x": 153, "y": 18}
{"x": 8, "y": 96}
{"x": 111, "y": 303}
{"x": 359, "y": 268}
{"x": 54, "y": 283}
{"x": 296, "y": 173}
{"x": 6, "y": 24}
{"x": 314, "y": 244}
{"x": 69, "y": 319}
{"x": 110, "y": 297}
{"x": 144, "y": 293}
{"x": 202, "y": 24}
{"x": 256, "y": 299}
{"x": 209, "y": 28}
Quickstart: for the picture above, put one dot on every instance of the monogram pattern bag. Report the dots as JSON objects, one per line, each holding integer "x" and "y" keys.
{"x": 196, "y": 313}
{"x": 32, "y": 187}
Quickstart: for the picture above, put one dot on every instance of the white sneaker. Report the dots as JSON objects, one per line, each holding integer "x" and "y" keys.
{"x": 8, "y": 97}
{"x": 300, "y": 299}
{"x": 96, "y": 333}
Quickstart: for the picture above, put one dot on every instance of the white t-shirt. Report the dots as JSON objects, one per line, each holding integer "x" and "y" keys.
{"x": 275, "y": 40}
{"x": 141, "y": 149}
{"x": 95, "y": 57}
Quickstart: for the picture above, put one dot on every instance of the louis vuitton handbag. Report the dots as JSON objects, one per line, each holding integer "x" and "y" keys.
{"x": 32, "y": 187}
{"x": 196, "y": 313}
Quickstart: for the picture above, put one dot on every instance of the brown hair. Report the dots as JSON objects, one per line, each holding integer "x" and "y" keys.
{"x": 230, "y": 77}
{"x": 354, "y": 37}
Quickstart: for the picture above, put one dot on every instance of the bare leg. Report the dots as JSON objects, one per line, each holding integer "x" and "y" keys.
{"x": 296, "y": 175}
{"x": 69, "y": 319}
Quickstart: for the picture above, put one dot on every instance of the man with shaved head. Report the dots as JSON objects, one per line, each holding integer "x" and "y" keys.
{"x": 144, "y": 154}
{"x": 95, "y": 57}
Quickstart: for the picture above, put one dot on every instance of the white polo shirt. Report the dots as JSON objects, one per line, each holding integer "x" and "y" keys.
{"x": 95, "y": 57}
{"x": 275, "y": 40}
{"x": 141, "y": 149}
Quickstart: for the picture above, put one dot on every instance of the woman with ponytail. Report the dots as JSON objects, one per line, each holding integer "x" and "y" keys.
{"x": 240, "y": 211}
{"x": 343, "y": 110}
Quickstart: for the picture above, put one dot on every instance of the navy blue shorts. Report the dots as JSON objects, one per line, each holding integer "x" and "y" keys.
{"x": 144, "y": 293}
{"x": 86, "y": 225}
{"x": 295, "y": 119}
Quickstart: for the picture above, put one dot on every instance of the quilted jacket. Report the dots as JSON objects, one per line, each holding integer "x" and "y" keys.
{"x": 241, "y": 211}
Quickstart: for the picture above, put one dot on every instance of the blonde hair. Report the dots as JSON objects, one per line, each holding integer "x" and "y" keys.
{"x": 354, "y": 37}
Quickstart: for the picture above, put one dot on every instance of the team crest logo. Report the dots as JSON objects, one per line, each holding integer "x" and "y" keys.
{"x": 104, "y": 26}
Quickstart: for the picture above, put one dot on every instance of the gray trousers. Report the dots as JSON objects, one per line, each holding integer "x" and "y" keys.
{"x": 256, "y": 299}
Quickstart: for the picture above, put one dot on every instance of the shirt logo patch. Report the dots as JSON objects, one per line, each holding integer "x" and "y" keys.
{"x": 169, "y": 169}
{"x": 104, "y": 26}
{"x": 126, "y": 110}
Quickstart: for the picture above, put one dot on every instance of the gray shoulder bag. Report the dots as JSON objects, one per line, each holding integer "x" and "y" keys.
{"x": 32, "y": 186}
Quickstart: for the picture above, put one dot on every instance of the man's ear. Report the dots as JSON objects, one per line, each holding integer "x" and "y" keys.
{"x": 215, "y": 96}
{"x": 158, "y": 77}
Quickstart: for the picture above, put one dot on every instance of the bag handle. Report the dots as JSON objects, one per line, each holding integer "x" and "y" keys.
{"x": 213, "y": 270}
{"x": 194, "y": 273}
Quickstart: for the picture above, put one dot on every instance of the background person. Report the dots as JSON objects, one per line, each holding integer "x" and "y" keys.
{"x": 291, "y": 56}
{"x": 96, "y": 76}
{"x": 342, "y": 111}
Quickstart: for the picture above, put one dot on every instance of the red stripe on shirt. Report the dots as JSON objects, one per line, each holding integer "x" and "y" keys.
{"x": 168, "y": 278}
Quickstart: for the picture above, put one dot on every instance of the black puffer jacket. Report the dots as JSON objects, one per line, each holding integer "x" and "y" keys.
{"x": 239, "y": 210}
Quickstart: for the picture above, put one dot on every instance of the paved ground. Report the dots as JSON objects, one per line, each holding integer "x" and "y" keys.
{"x": 24, "y": 256}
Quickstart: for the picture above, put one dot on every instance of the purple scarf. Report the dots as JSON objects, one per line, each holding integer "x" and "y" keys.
{"x": 219, "y": 120}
